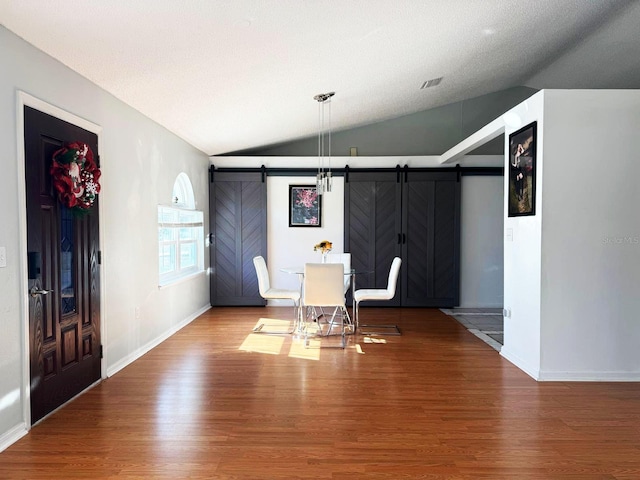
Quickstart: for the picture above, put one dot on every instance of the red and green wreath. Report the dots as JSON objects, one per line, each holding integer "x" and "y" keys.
{"x": 76, "y": 177}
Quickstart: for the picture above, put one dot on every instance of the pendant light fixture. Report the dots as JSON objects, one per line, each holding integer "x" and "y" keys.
{"x": 323, "y": 178}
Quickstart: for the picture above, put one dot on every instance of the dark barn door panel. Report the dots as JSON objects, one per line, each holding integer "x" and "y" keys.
{"x": 238, "y": 209}
{"x": 411, "y": 214}
{"x": 372, "y": 226}
{"x": 430, "y": 249}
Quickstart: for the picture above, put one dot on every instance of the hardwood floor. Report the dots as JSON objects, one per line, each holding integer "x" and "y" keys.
{"x": 434, "y": 403}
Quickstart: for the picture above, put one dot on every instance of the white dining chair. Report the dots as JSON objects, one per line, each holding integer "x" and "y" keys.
{"x": 345, "y": 260}
{"x": 269, "y": 293}
{"x": 323, "y": 287}
{"x": 379, "y": 294}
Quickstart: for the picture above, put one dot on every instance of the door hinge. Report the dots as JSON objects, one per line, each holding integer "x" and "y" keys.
{"x": 101, "y": 351}
{"x": 99, "y": 257}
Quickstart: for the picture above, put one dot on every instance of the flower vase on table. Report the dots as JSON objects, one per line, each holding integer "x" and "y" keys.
{"x": 323, "y": 247}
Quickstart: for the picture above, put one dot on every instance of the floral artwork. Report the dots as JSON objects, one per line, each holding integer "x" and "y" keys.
{"x": 76, "y": 177}
{"x": 304, "y": 206}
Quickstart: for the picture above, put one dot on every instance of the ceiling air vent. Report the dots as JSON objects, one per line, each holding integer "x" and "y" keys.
{"x": 431, "y": 83}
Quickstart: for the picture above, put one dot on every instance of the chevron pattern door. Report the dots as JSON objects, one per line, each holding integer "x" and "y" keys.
{"x": 414, "y": 215}
{"x": 431, "y": 223}
{"x": 372, "y": 227}
{"x": 238, "y": 209}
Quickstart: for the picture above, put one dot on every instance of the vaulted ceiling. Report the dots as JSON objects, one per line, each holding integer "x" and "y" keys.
{"x": 229, "y": 75}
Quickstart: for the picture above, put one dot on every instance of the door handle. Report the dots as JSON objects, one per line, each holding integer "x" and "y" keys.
{"x": 34, "y": 292}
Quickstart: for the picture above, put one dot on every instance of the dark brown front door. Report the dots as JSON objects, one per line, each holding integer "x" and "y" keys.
{"x": 63, "y": 271}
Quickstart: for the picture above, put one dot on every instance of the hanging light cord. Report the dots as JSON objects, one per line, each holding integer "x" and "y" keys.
{"x": 323, "y": 181}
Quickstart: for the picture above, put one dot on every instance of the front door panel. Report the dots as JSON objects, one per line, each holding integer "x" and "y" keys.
{"x": 64, "y": 307}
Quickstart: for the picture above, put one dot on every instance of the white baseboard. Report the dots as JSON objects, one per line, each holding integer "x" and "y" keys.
{"x": 133, "y": 356}
{"x": 569, "y": 376}
{"x": 521, "y": 364}
{"x": 12, "y": 435}
{"x": 546, "y": 376}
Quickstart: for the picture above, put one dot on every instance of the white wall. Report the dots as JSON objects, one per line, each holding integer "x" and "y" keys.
{"x": 522, "y": 253}
{"x": 572, "y": 271}
{"x": 481, "y": 244}
{"x": 293, "y": 246}
{"x": 591, "y": 236}
{"x": 140, "y": 161}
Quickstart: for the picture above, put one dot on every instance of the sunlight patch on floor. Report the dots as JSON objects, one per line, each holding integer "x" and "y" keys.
{"x": 259, "y": 343}
{"x": 298, "y": 349}
{"x": 273, "y": 326}
{"x": 273, "y": 333}
{"x": 272, "y": 336}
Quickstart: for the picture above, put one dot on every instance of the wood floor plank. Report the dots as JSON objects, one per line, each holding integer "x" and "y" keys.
{"x": 215, "y": 401}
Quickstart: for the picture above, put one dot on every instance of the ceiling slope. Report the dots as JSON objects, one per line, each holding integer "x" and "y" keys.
{"x": 232, "y": 75}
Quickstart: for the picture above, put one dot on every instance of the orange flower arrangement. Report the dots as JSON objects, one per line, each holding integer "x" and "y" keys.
{"x": 324, "y": 246}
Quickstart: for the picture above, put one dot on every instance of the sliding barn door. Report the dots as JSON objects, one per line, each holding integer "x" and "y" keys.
{"x": 238, "y": 209}
{"x": 431, "y": 239}
{"x": 372, "y": 227}
{"x": 413, "y": 215}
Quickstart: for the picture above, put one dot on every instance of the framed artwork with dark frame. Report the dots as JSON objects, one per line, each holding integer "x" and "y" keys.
{"x": 305, "y": 206}
{"x": 522, "y": 171}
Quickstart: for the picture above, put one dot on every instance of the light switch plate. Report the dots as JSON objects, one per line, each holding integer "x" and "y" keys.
{"x": 3, "y": 257}
{"x": 509, "y": 235}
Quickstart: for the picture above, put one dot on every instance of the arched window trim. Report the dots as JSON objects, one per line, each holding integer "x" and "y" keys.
{"x": 182, "y": 194}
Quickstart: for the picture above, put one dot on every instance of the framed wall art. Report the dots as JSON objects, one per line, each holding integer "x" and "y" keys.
{"x": 522, "y": 172}
{"x": 305, "y": 206}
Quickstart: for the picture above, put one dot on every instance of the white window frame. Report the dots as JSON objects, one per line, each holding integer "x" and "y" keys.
{"x": 180, "y": 226}
{"x": 182, "y": 195}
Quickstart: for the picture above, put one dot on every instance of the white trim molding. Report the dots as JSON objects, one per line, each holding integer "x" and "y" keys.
{"x": 12, "y": 436}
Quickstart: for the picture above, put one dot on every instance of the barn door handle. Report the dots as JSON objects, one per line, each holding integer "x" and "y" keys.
{"x": 34, "y": 292}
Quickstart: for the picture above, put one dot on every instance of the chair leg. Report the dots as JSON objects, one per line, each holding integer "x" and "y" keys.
{"x": 394, "y": 330}
{"x": 333, "y": 318}
{"x": 347, "y": 321}
{"x": 297, "y": 315}
{"x": 345, "y": 318}
{"x": 296, "y": 310}
{"x": 388, "y": 329}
